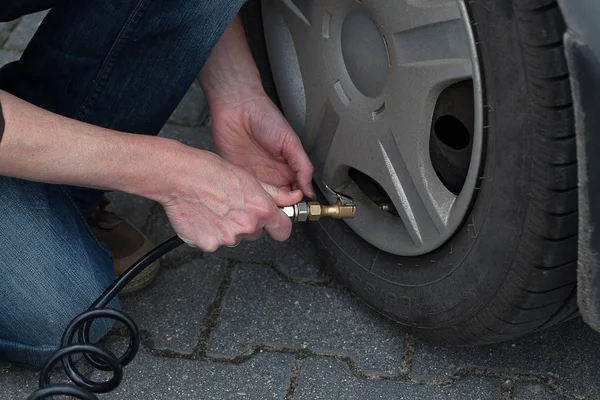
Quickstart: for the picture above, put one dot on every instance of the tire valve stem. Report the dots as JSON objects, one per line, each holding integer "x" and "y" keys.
{"x": 385, "y": 207}
{"x": 343, "y": 208}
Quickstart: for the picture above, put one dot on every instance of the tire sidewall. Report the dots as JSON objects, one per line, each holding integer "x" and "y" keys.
{"x": 456, "y": 281}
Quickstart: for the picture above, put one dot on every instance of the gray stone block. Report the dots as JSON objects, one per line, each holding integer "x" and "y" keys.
{"x": 4, "y": 32}
{"x": 193, "y": 108}
{"x": 265, "y": 376}
{"x": 173, "y": 309}
{"x": 568, "y": 351}
{"x": 19, "y": 383}
{"x": 6, "y": 29}
{"x": 330, "y": 379}
{"x": 261, "y": 310}
{"x": 534, "y": 391}
{"x": 16, "y": 383}
{"x": 7, "y": 56}
{"x": 24, "y": 31}
{"x": 199, "y": 137}
{"x": 135, "y": 209}
{"x": 295, "y": 258}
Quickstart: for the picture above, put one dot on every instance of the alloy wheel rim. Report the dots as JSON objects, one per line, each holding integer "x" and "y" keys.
{"x": 362, "y": 83}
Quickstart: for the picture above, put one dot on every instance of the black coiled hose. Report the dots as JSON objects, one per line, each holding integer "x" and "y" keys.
{"x": 97, "y": 356}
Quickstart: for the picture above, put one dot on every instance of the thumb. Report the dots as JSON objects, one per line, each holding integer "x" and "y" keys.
{"x": 282, "y": 197}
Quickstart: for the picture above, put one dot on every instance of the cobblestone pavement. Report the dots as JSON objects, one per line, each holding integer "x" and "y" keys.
{"x": 265, "y": 321}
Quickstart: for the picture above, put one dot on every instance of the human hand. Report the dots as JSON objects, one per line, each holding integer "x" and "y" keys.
{"x": 215, "y": 203}
{"x": 248, "y": 129}
{"x": 253, "y": 134}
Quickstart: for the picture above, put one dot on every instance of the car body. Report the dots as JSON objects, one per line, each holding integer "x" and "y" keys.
{"x": 583, "y": 51}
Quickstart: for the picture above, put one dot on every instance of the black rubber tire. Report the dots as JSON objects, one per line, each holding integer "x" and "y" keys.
{"x": 511, "y": 268}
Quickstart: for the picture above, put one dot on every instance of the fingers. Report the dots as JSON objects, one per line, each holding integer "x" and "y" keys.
{"x": 298, "y": 160}
{"x": 251, "y": 238}
{"x": 278, "y": 225}
{"x": 282, "y": 197}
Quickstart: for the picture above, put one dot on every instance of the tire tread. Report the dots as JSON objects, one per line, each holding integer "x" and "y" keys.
{"x": 541, "y": 288}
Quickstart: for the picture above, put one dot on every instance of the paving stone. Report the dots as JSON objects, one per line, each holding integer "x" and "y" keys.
{"x": 4, "y": 32}
{"x": 7, "y": 56}
{"x": 568, "y": 351}
{"x": 173, "y": 309}
{"x": 16, "y": 383}
{"x": 535, "y": 391}
{"x": 260, "y": 309}
{"x": 24, "y": 31}
{"x": 295, "y": 258}
{"x": 199, "y": 137}
{"x": 193, "y": 108}
{"x": 264, "y": 376}
{"x": 135, "y": 209}
{"x": 331, "y": 379}
{"x": 6, "y": 29}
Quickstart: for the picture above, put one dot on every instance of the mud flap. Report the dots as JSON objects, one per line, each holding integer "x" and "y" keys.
{"x": 584, "y": 66}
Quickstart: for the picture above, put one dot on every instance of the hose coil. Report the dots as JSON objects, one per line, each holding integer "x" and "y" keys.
{"x": 97, "y": 356}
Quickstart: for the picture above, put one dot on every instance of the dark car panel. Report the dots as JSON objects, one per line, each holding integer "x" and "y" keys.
{"x": 582, "y": 45}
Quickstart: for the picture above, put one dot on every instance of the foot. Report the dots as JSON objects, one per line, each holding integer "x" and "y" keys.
{"x": 126, "y": 243}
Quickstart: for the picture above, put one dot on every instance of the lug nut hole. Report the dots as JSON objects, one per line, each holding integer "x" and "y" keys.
{"x": 452, "y": 132}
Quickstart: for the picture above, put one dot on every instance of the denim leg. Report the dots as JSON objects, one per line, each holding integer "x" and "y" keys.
{"x": 119, "y": 64}
{"x": 51, "y": 269}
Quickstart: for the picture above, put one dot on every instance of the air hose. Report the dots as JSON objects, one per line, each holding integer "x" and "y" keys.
{"x": 103, "y": 359}
{"x": 99, "y": 357}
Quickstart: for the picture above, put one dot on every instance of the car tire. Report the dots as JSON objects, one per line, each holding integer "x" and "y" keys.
{"x": 510, "y": 269}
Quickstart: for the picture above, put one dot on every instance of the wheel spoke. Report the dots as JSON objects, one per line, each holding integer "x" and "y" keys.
{"x": 404, "y": 16}
{"x": 412, "y": 94}
{"x": 296, "y": 18}
{"x": 404, "y": 148}
{"x": 301, "y": 9}
{"x": 420, "y": 198}
{"x": 322, "y": 134}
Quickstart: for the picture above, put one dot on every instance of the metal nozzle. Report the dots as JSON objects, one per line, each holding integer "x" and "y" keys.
{"x": 336, "y": 210}
{"x": 343, "y": 208}
{"x": 298, "y": 212}
{"x": 313, "y": 211}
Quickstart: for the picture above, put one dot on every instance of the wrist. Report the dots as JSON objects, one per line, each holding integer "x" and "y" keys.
{"x": 166, "y": 167}
{"x": 228, "y": 86}
{"x": 230, "y": 74}
{"x": 153, "y": 167}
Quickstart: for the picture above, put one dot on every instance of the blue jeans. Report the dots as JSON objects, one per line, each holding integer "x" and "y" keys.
{"x": 119, "y": 64}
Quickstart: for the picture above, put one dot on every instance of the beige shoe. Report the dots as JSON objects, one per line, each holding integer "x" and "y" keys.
{"x": 127, "y": 244}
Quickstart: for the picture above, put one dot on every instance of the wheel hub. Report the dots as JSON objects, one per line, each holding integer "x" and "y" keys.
{"x": 361, "y": 83}
{"x": 364, "y": 52}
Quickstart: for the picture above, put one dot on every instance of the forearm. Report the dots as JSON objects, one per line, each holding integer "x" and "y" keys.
{"x": 230, "y": 72}
{"x": 41, "y": 146}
